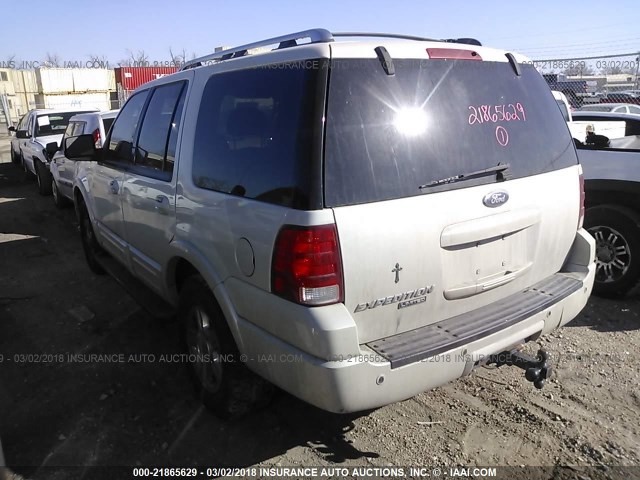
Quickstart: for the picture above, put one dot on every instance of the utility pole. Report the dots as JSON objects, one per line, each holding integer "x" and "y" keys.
{"x": 637, "y": 65}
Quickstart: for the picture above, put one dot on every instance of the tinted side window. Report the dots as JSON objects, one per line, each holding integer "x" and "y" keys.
{"x": 69, "y": 130}
{"x": 157, "y": 126}
{"x": 120, "y": 148}
{"x": 107, "y": 122}
{"x": 78, "y": 128}
{"x": 173, "y": 134}
{"x": 255, "y": 134}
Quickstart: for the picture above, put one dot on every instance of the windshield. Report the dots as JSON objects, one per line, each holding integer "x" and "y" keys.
{"x": 53, "y": 123}
{"x": 386, "y": 135}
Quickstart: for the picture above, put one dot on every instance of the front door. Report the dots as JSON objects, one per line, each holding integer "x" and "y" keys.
{"x": 108, "y": 178}
{"x": 148, "y": 194}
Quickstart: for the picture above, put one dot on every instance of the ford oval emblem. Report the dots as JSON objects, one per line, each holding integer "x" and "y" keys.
{"x": 495, "y": 199}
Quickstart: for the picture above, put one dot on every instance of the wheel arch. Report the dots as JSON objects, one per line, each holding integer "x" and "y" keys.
{"x": 612, "y": 192}
{"x": 188, "y": 261}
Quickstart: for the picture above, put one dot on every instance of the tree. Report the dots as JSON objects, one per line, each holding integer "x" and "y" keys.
{"x": 98, "y": 61}
{"x": 139, "y": 59}
{"x": 52, "y": 60}
{"x": 580, "y": 68}
{"x": 617, "y": 68}
{"x": 9, "y": 62}
{"x": 178, "y": 59}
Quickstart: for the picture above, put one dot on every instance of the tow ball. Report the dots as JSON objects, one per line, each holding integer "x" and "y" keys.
{"x": 537, "y": 369}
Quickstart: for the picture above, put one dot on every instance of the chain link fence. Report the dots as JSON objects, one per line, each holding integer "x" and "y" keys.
{"x": 594, "y": 83}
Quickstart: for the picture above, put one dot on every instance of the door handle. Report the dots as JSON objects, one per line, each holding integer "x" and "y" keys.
{"x": 114, "y": 187}
{"x": 162, "y": 203}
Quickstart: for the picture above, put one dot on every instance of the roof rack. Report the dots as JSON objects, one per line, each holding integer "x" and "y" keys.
{"x": 384, "y": 35}
{"x": 318, "y": 35}
{"x": 468, "y": 41}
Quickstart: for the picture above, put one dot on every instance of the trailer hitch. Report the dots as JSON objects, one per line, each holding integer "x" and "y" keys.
{"x": 537, "y": 369}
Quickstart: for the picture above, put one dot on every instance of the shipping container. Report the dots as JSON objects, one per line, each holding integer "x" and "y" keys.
{"x": 74, "y": 80}
{"x": 25, "y": 81}
{"x": 54, "y": 80}
{"x": 99, "y": 100}
{"x": 130, "y": 78}
{"x": 93, "y": 80}
{"x": 6, "y": 82}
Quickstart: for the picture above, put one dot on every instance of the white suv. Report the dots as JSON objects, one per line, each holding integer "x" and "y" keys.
{"x": 355, "y": 221}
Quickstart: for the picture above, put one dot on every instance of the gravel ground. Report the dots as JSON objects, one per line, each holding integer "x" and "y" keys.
{"x": 143, "y": 412}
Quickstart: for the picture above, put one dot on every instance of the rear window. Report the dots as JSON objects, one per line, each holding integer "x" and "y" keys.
{"x": 433, "y": 120}
{"x": 53, "y": 123}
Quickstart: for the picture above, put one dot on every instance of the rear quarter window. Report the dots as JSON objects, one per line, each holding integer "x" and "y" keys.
{"x": 258, "y": 135}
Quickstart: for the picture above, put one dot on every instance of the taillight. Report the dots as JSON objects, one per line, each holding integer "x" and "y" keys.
{"x": 96, "y": 138}
{"x": 581, "y": 215}
{"x": 307, "y": 267}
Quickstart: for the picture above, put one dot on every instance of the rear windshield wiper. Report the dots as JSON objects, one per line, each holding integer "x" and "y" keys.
{"x": 498, "y": 169}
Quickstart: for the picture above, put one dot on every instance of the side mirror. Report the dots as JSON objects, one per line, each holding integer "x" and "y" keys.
{"x": 12, "y": 128}
{"x": 81, "y": 148}
{"x": 51, "y": 149}
{"x": 22, "y": 134}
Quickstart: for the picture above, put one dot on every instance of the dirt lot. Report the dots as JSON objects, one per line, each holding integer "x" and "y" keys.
{"x": 143, "y": 412}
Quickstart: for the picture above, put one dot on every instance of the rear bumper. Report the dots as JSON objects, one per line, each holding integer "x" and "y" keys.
{"x": 404, "y": 365}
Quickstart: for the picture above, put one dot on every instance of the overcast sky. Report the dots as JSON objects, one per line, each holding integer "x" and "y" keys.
{"x": 542, "y": 29}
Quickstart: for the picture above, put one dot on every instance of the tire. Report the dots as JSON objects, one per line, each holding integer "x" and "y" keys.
{"x": 92, "y": 250}
{"x": 58, "y": 198}
{"x": 222, "y": 382}
{"x": 14, "y": 158}
{"x": 616, "y": 230}
{"x": 43, "y": 177}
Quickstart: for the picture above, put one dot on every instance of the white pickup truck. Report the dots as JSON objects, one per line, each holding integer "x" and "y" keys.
{"x": 578, "y": 128}
{"x": 612, "y": 200}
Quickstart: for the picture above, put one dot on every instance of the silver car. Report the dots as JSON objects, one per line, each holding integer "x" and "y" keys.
{"x": 354, "y": 221}
{"x": 63, "y": 169}
{"x": 611, "y": 107}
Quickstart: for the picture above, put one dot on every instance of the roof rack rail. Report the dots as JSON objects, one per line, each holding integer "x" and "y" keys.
{"x": 384, "y": 35}
{"x": 466, "y": 41}
{"x": 317, "y": 35}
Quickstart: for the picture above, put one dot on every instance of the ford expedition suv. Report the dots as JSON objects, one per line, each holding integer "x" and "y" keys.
{"x": 355, "y": 218}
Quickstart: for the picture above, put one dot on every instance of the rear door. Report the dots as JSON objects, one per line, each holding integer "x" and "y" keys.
{"x": 454, "y": 183}
{"x": 149, "y": 187}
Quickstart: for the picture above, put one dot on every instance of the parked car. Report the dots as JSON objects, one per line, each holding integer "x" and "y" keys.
{"x": 354, "y": 238}
{"x": 611, "y": 107}
{"x": 63, "y": 169}
{"x": 34, "y": 131}
{"x": 621, "y": 97}
{"x": 612, "y": 188}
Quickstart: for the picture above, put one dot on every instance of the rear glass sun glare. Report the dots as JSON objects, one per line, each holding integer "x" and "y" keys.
{"x": 410, "y": 121}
